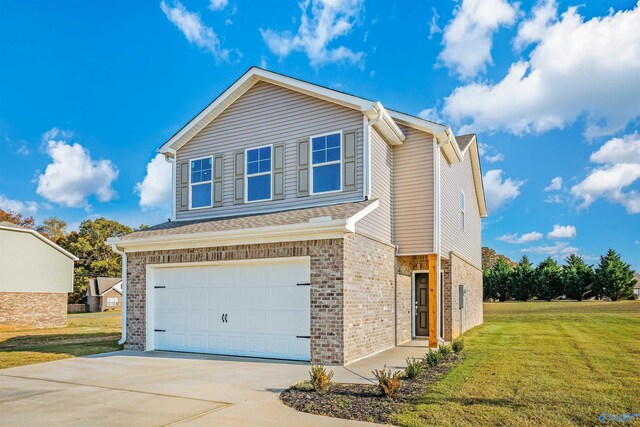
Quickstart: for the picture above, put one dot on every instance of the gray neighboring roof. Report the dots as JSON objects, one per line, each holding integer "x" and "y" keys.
{"x": 100, "y": 285}
{"x": 12, "y": 225}
{"x": 465, "y": 140}
{"x": 294, "y": 216}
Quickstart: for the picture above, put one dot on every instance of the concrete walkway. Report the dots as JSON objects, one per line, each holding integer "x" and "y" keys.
{"x": 163, "y": 388}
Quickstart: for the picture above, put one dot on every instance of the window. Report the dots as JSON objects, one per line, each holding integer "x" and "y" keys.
{"x": 258, "y": 180}
{"x": 462, "y": 206}
{"x": 326, "y": 156}
{"x": 112, "y": 302}
{"x": 200, "y": 183}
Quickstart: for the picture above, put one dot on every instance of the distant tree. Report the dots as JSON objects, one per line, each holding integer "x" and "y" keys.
{"x": 96, "y": 258}
{"x": 53, "y": 228}
{"x": 577, "y": 278}
{"x": 490, "y": 257}
{"x": 548, "y": 280}
{"x": 17, "y": 218}
{"x": 614, "y": 278}
{"x": 500, "y": 280}
{"x": 523, "y": 280}
{"x": 488, "y": 292}
{"x": 142, "y": 227}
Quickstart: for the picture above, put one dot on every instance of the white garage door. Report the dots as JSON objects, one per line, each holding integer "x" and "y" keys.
{"x": 259, "y": 309}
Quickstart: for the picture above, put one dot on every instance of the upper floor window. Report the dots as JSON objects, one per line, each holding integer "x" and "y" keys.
{"x": 326, "y": 163}
{"x": 462, "y": 210}
{"x": 200, "y": 183}
{"x": 258, "y": 180}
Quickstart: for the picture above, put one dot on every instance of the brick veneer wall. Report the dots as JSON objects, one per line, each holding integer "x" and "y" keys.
{"x": 327, "y": 257}
{"x": 369, "y": 297}
{"x": 457, "y": 271}
{"x": 405, "y": 265}
{"x": 33, "y": 309}
{"x": 111, "y": 293}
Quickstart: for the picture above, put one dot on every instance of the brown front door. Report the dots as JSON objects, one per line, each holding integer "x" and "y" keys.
{"x": 422, "y": 304}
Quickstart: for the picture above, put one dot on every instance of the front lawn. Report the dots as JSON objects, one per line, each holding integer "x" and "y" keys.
{"x": 86, "y": 333}
{"x": 540, "y": 363}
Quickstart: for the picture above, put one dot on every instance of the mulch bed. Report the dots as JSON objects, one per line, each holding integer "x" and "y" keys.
{"x": 363, "y": 402}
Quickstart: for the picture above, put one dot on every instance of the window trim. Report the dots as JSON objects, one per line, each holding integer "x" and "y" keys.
{"x": 191, "y": 208}
{"x": 312, "y": 166}
{"x": 463, "y": 209}
{"x": 247, "y": 176}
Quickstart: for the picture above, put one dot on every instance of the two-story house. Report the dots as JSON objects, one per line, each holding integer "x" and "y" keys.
{"x": 308, "y": 224}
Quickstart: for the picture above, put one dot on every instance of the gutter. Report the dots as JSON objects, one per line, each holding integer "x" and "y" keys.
{"x": 114, "y": 248}
{"x": 172, "y": 162}
{"x": 437, "y": 229}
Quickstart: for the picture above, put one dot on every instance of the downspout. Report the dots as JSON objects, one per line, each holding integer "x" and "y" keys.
{"x": 367, "y": 153}
{"x": 172, "y": 161}
{"x": 114, "y": 248}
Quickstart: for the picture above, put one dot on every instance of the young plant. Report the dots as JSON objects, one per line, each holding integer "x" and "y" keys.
{"x": 445, "y": 351}
{"x": 414, "y": 368}
{"x": 389, "y": 382}
{"x": 432, "y": 358}
{"x": 457, "y": 345}
{"x": 320, "y": 378}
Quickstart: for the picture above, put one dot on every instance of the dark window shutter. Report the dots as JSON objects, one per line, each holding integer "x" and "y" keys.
{"x": 238, "y": 179}
{"x": 303, "y": 167}
{"x": 183, "y": 187}
{"x": 349, "y": 155}
{"x": 218, "y": 171}
{"x": 278, "y": 172}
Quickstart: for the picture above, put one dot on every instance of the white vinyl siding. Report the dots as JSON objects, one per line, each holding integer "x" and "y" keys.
{"x": 379, "y": 223}
{"x": 270, "y": 114}
{"x": 465, "y": 242}
{"x": 413, "y": 193}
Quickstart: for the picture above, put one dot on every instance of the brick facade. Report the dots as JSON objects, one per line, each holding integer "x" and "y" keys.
{"x": 33, "y": 309}
{"x": 457, "y": 271}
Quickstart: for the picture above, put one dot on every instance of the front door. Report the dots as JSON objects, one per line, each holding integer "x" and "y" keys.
{"x": 422, "y": 304}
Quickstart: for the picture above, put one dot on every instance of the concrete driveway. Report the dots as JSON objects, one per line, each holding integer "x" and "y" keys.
{"x": 162, "y": 388}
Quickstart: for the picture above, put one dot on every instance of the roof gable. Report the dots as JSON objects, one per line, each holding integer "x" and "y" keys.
{"x": 9, "y": 226}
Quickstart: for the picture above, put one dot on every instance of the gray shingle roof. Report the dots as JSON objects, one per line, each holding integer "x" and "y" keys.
{"x": 102, "y": 284}
{"x": 464, "y": 140}
{"x": 294, "y": 216}
{"x": 12, "y": 225}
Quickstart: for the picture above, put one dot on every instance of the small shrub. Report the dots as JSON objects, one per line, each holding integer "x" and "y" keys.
{"x": 445, "y": 351}
{"x": 414, "y": 368}
{"x": 389, "y": 382}
{"x": 320, "y": 378}
{"x": 458, "y": 345}
{"x": 432, "y": 358}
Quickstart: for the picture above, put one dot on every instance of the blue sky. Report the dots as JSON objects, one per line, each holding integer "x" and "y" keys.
{"x": 89, "y": 90}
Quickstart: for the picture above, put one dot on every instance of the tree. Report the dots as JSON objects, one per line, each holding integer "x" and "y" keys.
{"x": 53, "y": 228}
{"x": 490, "y": 257}
{"x": 577, "y": 278}
{"x": 16, "y": 218}
{"x": 522, "y": 280}
{"x": 96, "y": 258}
{"x": 614, "y": 277}
{"x": 548, "y": 280}
{"x": 500, "y": 280}
{"x": 488, "y": 292}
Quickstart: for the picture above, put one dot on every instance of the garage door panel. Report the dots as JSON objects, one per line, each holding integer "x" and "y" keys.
{"x": 250, "y": 310}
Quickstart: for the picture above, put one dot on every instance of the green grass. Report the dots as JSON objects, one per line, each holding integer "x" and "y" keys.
{"x": 85, "y": 334}
{"x": 540, "y": 363}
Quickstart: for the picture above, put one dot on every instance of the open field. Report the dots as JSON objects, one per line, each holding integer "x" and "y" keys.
{"x": 86, "y": 333}
{"x": 541, "y": 363}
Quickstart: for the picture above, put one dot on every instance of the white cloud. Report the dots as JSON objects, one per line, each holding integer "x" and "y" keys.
{"x": 618, "y": 169}
{"x": 532, "y": 30}
{"x": 498, "y": 191}
{"x": 55, "y": 133}
{"x": 468, "y": 38}
{"x": 23, "y": 149}
{"x": 155, "y": 188}
{"x": 73, "y": 176}
{"x": 434, "y": 28}
{"x": 524, "y": 238}
{"x": 195, "y": 31}
{"x": 577, "y": 69}
{"x": 321, "y": 22}
{"x": 489, "y": 153}
{"x": 558, "y": 250}
{"x": 18, "y": 206}
{"x": 562, "y": 232}
{"x": 495, "y": 158}
{"x": 555, "y": 185}
{"x": 218, "y": 4}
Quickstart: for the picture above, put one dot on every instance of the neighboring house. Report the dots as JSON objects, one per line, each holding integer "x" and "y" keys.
{"x": 308, "y": 224}
{"x": 35, "y": 277}
{"x": 104, "y": 294}
{"x": 636, "y": 288}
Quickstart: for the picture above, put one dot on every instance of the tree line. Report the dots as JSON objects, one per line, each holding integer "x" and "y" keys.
{"x": 95, "y": 258}
{"x": 504, "y": 280}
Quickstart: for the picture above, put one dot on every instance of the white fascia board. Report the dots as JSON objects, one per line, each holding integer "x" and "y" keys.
{"x": 417, "y": 123}
{"x": 447, "y": 143}
{"x": 386, "y": 126}
{"x": 351, "y": 222}
{"x": 476, "y": 169}
{"x": 44, "y": 239}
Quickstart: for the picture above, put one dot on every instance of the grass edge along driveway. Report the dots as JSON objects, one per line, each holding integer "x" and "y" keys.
{"x": 540, "y": 363}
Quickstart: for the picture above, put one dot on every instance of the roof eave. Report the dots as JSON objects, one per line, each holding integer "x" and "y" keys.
{"x": 44, "y": 239}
